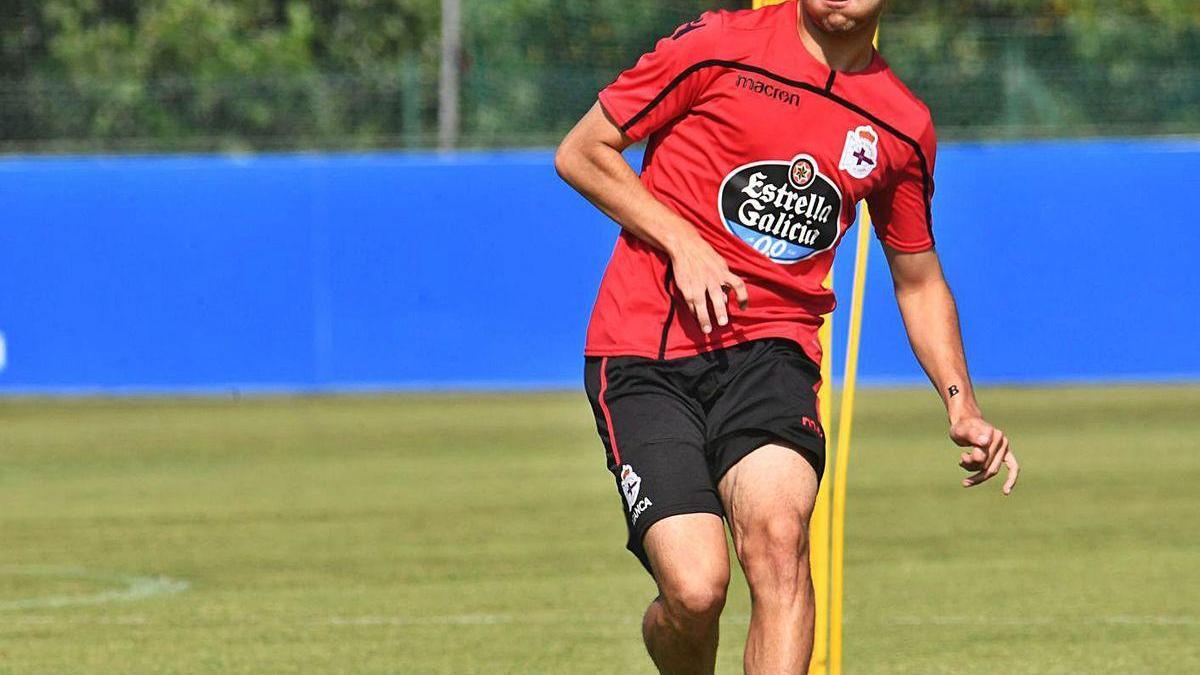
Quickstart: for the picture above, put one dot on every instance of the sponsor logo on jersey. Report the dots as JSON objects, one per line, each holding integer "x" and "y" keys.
{"x": 787, "y": 211}
{"x": 860, "y": 155}
{"x": 769, "y": 90}
{"x": 631, "y": 485}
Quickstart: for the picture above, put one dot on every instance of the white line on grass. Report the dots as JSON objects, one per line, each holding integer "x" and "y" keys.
{"x": 78, "y": 620}
{"x": 448, "y": 620}
{"x": 559, "y": 617}
{"x": 1113, "y": 619}
{"x": 132, "y": 587}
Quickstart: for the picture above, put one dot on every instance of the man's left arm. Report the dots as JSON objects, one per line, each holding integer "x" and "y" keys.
{"x": 931, "y": 320}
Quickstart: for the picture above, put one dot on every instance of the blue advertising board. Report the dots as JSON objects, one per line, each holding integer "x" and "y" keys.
{"x": 1071, "y": 260}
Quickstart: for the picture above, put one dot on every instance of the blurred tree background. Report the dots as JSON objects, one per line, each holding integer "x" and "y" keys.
{"x": 174, "y": 75}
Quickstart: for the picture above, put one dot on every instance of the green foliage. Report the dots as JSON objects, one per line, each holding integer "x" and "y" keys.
{"x": 254, "y": 74}
{"x": 1066, "y": 67}
{"x": 221, "y": 74}
{"x": 173, "y": 67}
{"x": 535, "y": 65}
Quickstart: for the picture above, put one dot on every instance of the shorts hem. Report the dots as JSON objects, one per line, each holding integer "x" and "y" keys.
{"x": 811, "y": 448}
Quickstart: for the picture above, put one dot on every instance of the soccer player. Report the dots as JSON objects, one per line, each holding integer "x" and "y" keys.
{"x": 764, "y": 129}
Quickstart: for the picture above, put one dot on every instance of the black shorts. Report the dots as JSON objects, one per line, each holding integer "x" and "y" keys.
{"x": 673, "y": 428}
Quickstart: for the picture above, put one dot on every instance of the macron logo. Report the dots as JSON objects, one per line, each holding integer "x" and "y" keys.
{"x": 769, "y": 90}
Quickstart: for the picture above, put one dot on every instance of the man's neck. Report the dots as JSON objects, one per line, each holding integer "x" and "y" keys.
{"x": 847, "y": 53}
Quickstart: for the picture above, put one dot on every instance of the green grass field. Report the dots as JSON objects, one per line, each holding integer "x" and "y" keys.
{"x": 447, "y": 534}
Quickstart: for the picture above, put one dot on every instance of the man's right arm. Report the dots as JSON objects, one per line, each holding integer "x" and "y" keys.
{"x": 589, "y": 159}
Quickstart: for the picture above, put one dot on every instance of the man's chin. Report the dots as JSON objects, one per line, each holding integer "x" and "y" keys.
{"x": 839, "y": 17}
{"x": 838, "y": 24}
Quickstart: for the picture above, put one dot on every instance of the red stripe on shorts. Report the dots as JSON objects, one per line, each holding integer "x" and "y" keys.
{"x": 612, "y": 434}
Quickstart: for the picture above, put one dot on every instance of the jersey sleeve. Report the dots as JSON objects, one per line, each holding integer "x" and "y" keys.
{"x": 903, "y": 211}
{"x": 664, "y": 83}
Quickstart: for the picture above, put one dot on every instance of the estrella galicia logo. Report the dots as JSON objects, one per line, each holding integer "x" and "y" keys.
{"x": 788, "y": 211}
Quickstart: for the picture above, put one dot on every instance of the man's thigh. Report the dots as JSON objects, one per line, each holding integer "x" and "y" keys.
{"x": 688, "y": 554}
{"x": 766, "y": 493}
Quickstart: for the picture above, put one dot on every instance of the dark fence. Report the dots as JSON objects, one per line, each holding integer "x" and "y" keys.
{"x": 529, "y": 70}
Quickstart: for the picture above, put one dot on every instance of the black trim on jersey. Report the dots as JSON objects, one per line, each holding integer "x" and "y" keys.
{"x": 829, "y": 82}
{"x": 662, "y": 343}
{"x": 926, "y": 179}
{"x": 687, "y": 28}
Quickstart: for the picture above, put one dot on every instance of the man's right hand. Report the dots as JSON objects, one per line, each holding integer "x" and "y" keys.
{"x": 702, "y": 276}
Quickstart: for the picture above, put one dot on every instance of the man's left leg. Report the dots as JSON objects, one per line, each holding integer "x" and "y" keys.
{"x": 768, "y": 497}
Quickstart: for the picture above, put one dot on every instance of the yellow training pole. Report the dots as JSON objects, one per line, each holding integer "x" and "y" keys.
{"x": 819, "y": 530}
{"x": 845, "y": 422}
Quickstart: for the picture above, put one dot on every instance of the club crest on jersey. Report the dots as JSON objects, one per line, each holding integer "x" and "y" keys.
{"x": 786, "y": 210}
{"x": 631, "y": 485}
{"x": 860, "y": 155}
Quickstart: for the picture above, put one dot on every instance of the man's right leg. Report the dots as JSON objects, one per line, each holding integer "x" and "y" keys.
{"x": 653, "y": 433}
{"x": 691, "y": 567}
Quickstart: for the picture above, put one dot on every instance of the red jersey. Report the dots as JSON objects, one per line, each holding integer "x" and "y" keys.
{"x": 766, "y": 151}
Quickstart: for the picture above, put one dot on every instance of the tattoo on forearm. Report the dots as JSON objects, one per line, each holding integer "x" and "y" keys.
{"x": 952, "y": 390}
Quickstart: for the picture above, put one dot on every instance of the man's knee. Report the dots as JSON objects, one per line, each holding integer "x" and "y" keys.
{"x": 695, "y": 599}
{"x": 774, "y": 553}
